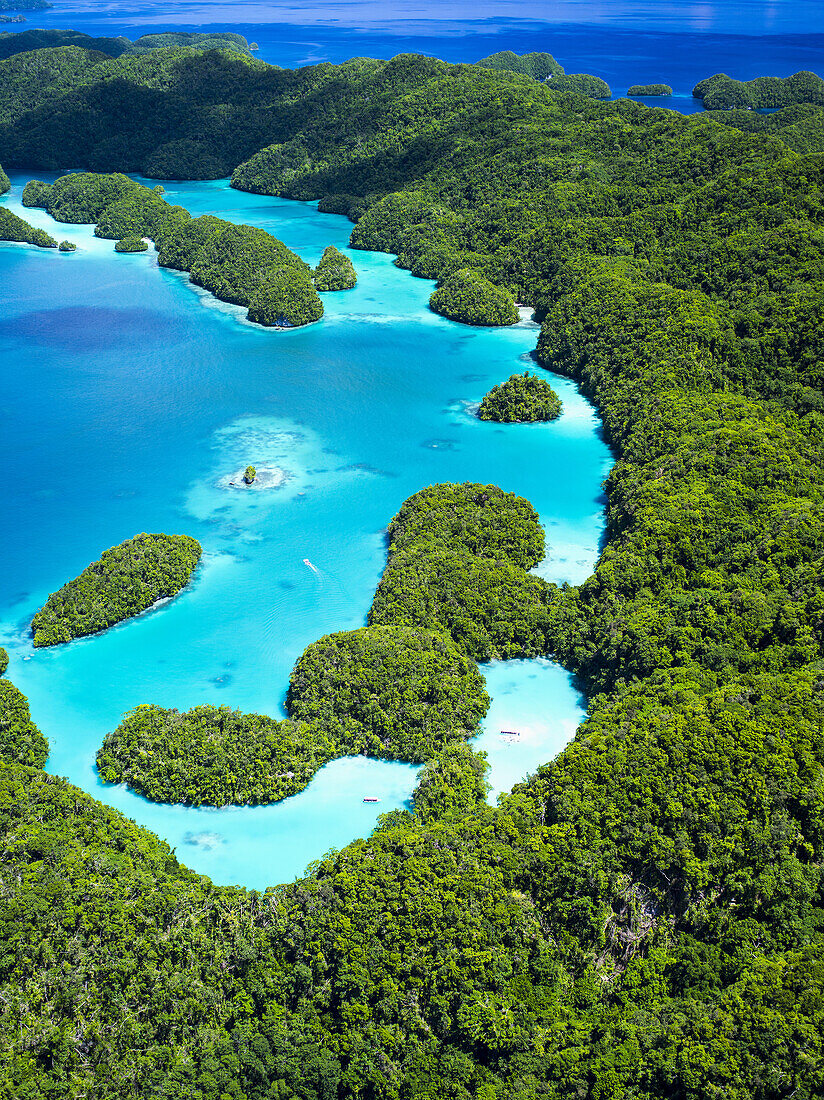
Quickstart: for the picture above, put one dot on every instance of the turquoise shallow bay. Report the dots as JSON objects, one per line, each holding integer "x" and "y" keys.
{"x": 126, "y": 397}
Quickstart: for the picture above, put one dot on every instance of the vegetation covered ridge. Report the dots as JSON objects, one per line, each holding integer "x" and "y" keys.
{"x": 471, "y": 299}
{"x": 123, "y": 582}
{"x": 237, "y": 263}
{"x": 721, "y": 92}
{"x": 18, "y": 230}
{"x": 643, "y": 918}
{"x": 391, "y": 691}
{"x": 36, "y": 39}
{"x": 458, "y": 560}
{"x": 20, "y": 740}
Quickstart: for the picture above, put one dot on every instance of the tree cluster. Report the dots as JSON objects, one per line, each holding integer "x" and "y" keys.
{"x": 36, "y": 39}
{"x": 124, "y": 581}
{"x": 334, "y": 271}
{"x": 13, "y": 228}
{"x": 522, "y": 399}
{"x": 236, "y": 263}
{"x": 395, "y": 692}
{"x": 212, "y": 756}
{"x": 20, "y": 740}
{"x": 582, "y": 84}
{"x": 131, "y": 243}
{"x": 458, "y": 560}
{"x": 473, "y": 300}
{"x": 721, "y": 92}
{"x": 540, "y": 66}
{"x": 649, "y": 89}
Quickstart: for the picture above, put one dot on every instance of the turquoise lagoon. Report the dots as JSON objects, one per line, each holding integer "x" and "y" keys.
{"x": 128, "y": 401}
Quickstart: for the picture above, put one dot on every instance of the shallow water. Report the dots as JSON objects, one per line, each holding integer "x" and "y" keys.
{"x": 127, "y": 397}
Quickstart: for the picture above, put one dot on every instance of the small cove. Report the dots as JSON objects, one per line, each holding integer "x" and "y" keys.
{"x": 128, "y": 397}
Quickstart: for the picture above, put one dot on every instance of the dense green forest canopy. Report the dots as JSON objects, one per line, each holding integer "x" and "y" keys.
{"x": 124, "y": 581}
{"x": 212, "y": 756}
{"x": 471, "y": 299}
{"x": 389, "y": 691}
{"x": 334, "y": 271}
{"x": 522, "y": 399}
{"x": 641, "y": 919}
{"x": 20, "y": 740}
{"x": 649, "y": 89}
{"x": 131, "y": 243}
{"x": 541, "y": 66}
{"x": 14, "y": 228}
{"x": 458, "y": 559}
{"x": 721, "y": 92}
{"x": 582, "y": 84}
{"x": 26, "y": 41}
{"x": 800, "y": 126}
{"x": 452, "y": 784}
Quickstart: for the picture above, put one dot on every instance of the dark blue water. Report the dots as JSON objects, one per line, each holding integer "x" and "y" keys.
{"x": 677, "y": 43}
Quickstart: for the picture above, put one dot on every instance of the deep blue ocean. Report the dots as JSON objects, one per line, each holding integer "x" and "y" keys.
{"x": 128, "y": 399}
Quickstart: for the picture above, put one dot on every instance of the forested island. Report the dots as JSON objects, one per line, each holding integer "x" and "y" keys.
{"x": 14, "y": 228}
{"x": 124, "y": 581}
{"x": 131, "y": 243}
{"x": 541, "y": 66}
{"x": 237, "y": 263}
{"x": 212, "y": 756}
{"x": 582, "y": 84}
{"x": 522, "y": 399}
{"x": 649, "y": 89}
{"x": 334, "y": 271}
{"x": 471, "y": 299}
{"x": 642, "y": 918}
{"x": 721, "y": 92}
{"x": 459, "y": 557}
{"x": 389, "y": 692}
